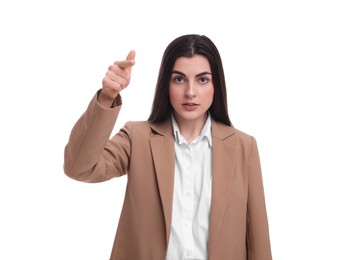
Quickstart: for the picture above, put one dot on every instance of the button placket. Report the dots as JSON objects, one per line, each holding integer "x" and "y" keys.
{"x": 188, "y": 202}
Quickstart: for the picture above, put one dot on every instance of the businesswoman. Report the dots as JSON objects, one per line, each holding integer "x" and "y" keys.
{"x": 194, "y": 184}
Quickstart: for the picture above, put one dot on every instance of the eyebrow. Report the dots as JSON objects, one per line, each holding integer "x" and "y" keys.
{"x": 198, "y": 75}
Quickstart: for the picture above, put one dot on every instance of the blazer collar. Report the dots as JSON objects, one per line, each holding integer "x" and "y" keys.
{"x": 162, "y": 128}
{"x": 219, "y": 130}
{"x": 223, "y": 172}
{"x": 163, "y": 153}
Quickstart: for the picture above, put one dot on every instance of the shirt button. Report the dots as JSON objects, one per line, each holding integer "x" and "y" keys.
{"x": 188, "y": 194}
{"x": 187, "y": 254}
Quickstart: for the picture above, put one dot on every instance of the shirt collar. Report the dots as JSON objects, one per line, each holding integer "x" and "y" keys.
{"x": 205, "y": 133}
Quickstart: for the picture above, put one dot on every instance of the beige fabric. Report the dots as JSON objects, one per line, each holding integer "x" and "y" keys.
{"x": 238, "y": 219}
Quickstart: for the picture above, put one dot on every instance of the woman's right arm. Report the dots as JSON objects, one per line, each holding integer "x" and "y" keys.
{"x": 86, "y": 156}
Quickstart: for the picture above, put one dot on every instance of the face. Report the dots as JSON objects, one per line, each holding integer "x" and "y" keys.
{"x": 191, "y": 89}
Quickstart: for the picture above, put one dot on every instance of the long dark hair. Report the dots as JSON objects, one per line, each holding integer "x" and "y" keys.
{"x": 187, "y": 46}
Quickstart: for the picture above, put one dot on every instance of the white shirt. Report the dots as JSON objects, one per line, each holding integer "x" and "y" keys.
{"x": 191, "y": 196}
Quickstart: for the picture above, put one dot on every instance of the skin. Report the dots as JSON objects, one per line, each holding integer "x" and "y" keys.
{"x": 191, "y": 90}
{"x": 117, "y": 78}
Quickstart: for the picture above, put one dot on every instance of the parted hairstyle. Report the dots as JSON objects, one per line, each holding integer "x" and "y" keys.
{"x": 187, "y": 46}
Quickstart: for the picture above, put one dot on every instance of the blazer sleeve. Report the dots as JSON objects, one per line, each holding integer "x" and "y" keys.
{"x": 258, "y": 241}
{"x": 90, "y": 156}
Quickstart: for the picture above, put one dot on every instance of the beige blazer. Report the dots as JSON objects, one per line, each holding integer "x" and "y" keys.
{"x": 238, "y": 227}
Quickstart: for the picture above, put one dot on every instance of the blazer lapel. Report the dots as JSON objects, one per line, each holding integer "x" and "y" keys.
{"x": 223, "y": 170}
{"x": 163, "y": 153}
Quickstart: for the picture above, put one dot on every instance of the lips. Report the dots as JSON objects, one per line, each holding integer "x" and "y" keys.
{"x": 189, "y": 106}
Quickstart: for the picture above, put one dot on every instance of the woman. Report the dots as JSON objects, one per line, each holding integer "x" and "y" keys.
{"x": 194, "y": 186}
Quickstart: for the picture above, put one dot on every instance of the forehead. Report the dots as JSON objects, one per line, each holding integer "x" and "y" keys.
{"x": 194, "y": 63}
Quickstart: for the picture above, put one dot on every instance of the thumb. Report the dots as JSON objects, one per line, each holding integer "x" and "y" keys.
{"x": 129, "y": 62}
{"x": 131, "y": 55}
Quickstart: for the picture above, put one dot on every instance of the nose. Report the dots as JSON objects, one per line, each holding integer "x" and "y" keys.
{"x": 190, "y": 90}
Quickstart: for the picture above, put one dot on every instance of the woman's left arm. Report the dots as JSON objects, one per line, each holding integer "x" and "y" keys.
{"x": 258, "y": 240}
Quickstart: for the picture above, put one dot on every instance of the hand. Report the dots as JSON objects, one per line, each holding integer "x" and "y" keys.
{"x": 117, "y": 78}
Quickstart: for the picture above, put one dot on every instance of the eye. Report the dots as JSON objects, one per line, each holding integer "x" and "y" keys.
{"x": 203, "y": 80}
{"x": 178, "y": 79}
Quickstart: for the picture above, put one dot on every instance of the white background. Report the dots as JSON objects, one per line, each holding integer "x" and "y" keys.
{"x": 283, "y": 65}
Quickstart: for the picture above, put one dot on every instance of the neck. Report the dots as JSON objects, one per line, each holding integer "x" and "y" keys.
{"x": 190, "y": 129}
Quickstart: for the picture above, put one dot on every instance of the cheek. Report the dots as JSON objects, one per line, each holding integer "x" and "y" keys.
{"x": 174, "y": 93}
{"x": 209, "y": 95}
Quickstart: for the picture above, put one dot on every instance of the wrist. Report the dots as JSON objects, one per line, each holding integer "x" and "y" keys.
{"x": 105, "y": 100}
